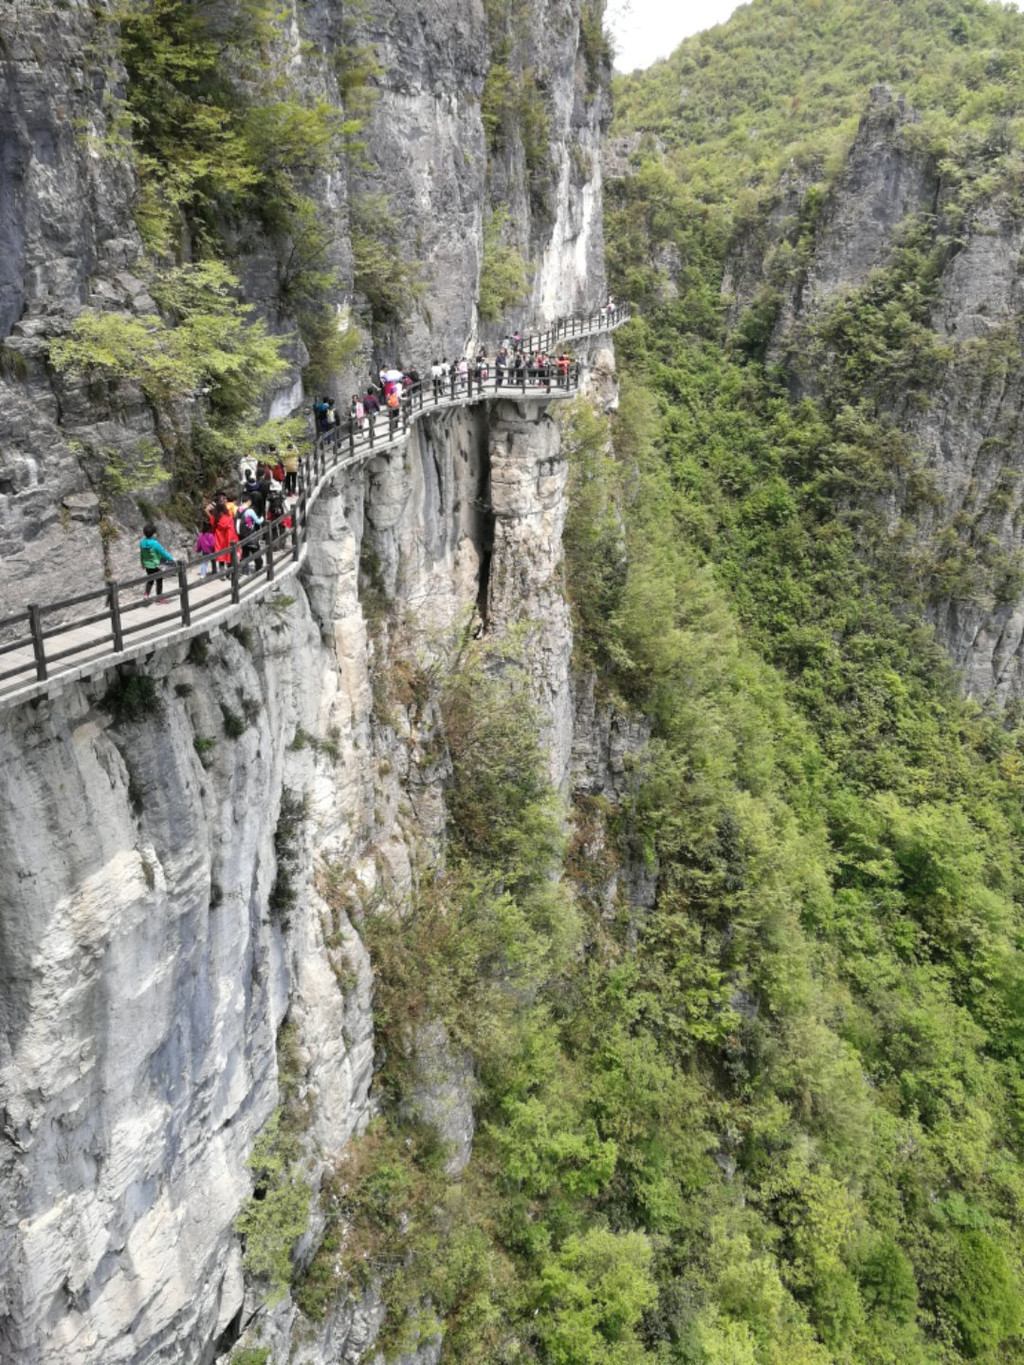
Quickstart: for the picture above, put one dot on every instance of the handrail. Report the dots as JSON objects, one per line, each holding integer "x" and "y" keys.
{"x": 248, "y": 569}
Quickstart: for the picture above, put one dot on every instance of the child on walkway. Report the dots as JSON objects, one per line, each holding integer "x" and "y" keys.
{"x": 154, "y": 557}
{"x": 206, "y": 543}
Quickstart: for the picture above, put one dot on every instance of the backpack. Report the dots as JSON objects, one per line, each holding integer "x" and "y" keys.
{"x": 393, "y": 399}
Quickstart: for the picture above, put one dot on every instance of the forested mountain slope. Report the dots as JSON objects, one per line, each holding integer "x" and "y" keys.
{"x": 755, "y": 1099}
{"x": 817, "y": 463}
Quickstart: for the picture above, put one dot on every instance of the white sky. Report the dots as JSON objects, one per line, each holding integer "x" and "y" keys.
{"x": 645, "y": 30}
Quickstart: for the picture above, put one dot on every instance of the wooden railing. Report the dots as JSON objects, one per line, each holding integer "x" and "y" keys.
{"x": 113, "y": 621}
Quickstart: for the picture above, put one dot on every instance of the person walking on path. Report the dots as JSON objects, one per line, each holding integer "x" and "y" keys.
{"x": 224, "y": 533}
{"x": 290, "y": 460}
{"x": 371, "y": 406}
{"x": 154, "y": 557}
{"x": 205, "y": 545}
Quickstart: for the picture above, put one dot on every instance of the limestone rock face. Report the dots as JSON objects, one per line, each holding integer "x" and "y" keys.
{"x": 430, "y": 158}
{"x": 528, "y": 478}
{"x": 965, "y": 427}
{"x": 65, "y": 226}
{"x": 143, "y": 982}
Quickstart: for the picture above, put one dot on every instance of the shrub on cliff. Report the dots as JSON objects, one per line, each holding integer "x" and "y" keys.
{"x": 274, "y": 1219}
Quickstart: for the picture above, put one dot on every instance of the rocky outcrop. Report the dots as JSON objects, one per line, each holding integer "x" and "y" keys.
{"x": 965, "y": 427}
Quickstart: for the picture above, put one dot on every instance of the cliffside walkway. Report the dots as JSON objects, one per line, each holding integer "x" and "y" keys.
{"x": 46, "y": 644}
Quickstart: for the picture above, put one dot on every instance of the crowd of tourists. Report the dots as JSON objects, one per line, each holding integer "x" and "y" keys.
{"x": 269, "y": 487}
{"x": 266, "y": 496}
{"x": 393, "y": 393}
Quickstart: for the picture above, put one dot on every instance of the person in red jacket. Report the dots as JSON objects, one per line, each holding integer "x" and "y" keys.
{"x": 224, "y": 533}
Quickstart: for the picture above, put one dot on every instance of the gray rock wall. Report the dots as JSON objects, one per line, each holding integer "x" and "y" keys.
{"x": 966, "y": 426}
{"x": 142, "y": 984}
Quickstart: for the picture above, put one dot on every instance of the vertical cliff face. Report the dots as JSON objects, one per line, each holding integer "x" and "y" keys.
{"x": 147, "y": 969}
{"x": 67, "y": 238}
{"x": 189, "y": 845}
{"x": 440, "y": 170}
{"x": 423, "y": 163}
{"x": 961, "y": 423}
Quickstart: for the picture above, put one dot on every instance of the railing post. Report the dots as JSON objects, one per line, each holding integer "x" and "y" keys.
{"x": 186, "y": 610}
{"x": 352, "y": 437}
{"x": 38, "y": 643}
{"x": 550, "y": 367}
{"x": 296, "y": 529}
{"x": 115, "y": 614}
{"x": 405, "y": 417}
{"x": 236, "y": 596}
{"x": 269, "y": 532}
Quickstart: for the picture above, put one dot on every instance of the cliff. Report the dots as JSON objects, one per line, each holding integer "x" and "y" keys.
{"x": 961, "y": 426}
{"x": 412, "y": 187}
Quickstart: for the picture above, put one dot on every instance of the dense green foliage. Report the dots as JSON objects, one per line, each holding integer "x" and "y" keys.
{"x": 202, "y": 345}
{"x": 203, "y": 338}
{"x": 225, "y": 149}
{"x": 838, "y": 832}
{"x": 502, "y": 270}
{"x": 277, "y": 1213}
{"x": 781, "y": 88}
{"x": 774, "y": 1119}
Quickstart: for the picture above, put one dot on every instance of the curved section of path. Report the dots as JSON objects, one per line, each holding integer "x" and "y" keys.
{"x": 115, "y": 623}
